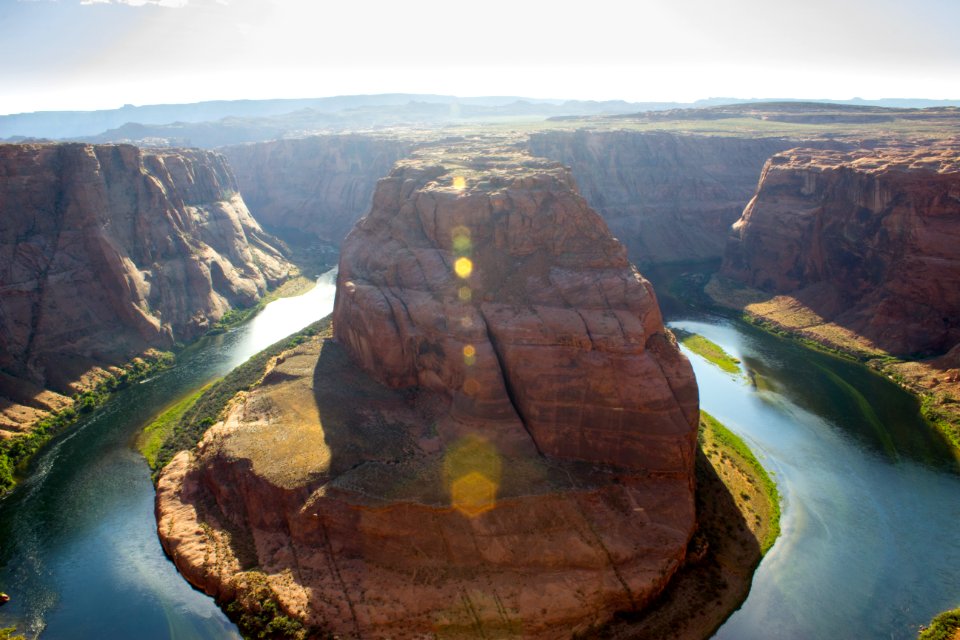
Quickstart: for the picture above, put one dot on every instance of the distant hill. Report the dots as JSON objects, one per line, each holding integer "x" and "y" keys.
{"x": 77, "y": 124}
{"x": 221, "y": 122}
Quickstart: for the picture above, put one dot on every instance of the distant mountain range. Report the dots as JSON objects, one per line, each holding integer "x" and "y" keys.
{"x": 214, "y": 123}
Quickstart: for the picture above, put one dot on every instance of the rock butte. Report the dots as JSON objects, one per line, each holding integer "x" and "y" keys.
{"x": 108, "y": 250}
{"x": 498, "y": 441}
{"x": 864, "y": 242}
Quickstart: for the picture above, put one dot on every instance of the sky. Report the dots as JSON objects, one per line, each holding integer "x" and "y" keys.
{"x": 101, "y": 54}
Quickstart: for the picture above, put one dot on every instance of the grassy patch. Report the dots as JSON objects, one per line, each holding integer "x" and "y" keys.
{"x": 945, "y": 626}
{"x": 945, "y": 421}
{"x": 208, "y": 406}
{"x": 738, "y": 514}
{"x": 16, "y": 453}
{"x": 161, "y": 427}
{"x": 713, "y": 435}
{"x": 708, "y": 350}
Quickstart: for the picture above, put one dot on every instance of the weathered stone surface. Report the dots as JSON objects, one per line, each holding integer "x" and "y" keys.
{"x": 866, "y": 240}
{"x": 506, "y": 454}
{"x": 667, "y": 197}
{"x": 108, "y": 250}
{"x": 318, "y": 185}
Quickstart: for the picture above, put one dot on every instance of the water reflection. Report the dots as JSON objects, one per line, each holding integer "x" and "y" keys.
{"x": 871, "y": 494}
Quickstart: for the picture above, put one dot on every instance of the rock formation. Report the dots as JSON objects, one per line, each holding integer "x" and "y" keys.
{"x": 667, "y": 197}
{"x": 867, "y": 240}
{"x": 499, "y": 441}
{"x": 106, "y": 251}
{"x": 319, "y": 185}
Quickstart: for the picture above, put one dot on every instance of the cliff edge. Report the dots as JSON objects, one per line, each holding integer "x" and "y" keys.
{"x": 497, "y": 441}
{"x": 109, "y": 250}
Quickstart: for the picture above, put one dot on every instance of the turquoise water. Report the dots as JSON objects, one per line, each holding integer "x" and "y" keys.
{"x": 79, "y": 552}
{"x": 870, "y": 544}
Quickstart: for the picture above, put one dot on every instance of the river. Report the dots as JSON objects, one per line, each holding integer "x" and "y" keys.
{"x": 871, "y": 499}
{"x": 79, "y": 552}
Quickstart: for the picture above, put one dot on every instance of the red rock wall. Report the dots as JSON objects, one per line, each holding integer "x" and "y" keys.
{"x": 108, "y": 250}
{"x": 667, "y": 197}
{"x": 563, "y": 331}
{"x": 867, "y": 239}
{"x": 319, "y": 185}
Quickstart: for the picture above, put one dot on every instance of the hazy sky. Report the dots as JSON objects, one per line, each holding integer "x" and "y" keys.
{"x": 88, "y": 54}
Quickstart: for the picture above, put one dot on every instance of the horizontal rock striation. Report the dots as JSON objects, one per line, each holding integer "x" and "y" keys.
{"x": 106, "y": 251}
{"x": 498, "y": 441}
{"x": 867, "y": 240}
{"x": 667, "y": 197}
{"x": 318, "y": 185}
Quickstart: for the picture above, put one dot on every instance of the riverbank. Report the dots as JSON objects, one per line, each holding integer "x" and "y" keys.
{"x": 934, "y": 381}
{"x": 738, "y": 515}
{"x": 17, "y": 449}
{"x": 945, "y": 626}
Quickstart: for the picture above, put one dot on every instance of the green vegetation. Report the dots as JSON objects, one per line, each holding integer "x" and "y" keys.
{"x": 161, "y": 428}
{"x": 947, "y": 423}
{"x": 293, "y": 287}
{"x": 714, "y": 434}
{"x": 258, "y": 615}
{"x": 708, "y": 350}
{"x": 945, "y": 626}
{"x": 16, "y": 453}
{"x": 204, "y": 411}
{"x": 8, "y": 634}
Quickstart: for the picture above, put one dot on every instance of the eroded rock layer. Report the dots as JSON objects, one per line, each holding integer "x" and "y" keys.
{"x": 318, "y": 185}
{"x": 667, "y": 197}
{"x": 108, "y": 250}
{"x": 866, "y": 240}
{"x": 499, "y": 441}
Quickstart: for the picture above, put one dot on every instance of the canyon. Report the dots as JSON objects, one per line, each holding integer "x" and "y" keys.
{"x": 668, "y": 197}
{"x": 498, "y": 377}
{"x": 108, "y": 251}
{"x": 318, "y": 185}
{"x": 857, "y": 251}
{"x": 460, "y": 455}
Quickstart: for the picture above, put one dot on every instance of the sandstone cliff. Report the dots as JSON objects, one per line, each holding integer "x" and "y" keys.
{"x": 319, "y": 185}
{"x": 108, "y": 250}
{"x": 667, "y": 197}
{"x": 498, "y": 443}
{"x": 866, "y": 241}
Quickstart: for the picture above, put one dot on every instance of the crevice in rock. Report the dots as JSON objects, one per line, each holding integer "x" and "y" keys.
{"x": 508, "y": 387}
{"x": 332, "y": 559}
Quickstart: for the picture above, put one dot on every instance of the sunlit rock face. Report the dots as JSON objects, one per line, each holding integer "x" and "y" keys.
{"x": 498, "y": 285}
{"x": 866, "y": 239}
{"x": 497, "y": 441}
{"x": 106, "y": 250}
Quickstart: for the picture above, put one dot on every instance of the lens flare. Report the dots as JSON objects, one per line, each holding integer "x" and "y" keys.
{"x": 463, "y": 267}
{"x": 465, "y": 294}
{"x": 473, "y": 494}
{"x": 472, "y": 468}
{"x": 469, "y": 355}
{"x": 459, "y": 182}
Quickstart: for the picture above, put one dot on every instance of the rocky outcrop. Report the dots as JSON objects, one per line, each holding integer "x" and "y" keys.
{"x": 866, "y": 240}
{"x": 499, "y": 441}
{"x": 106, "y": 251}
{"x": 319, "y": 185}
{"x": 667, "y": 197}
